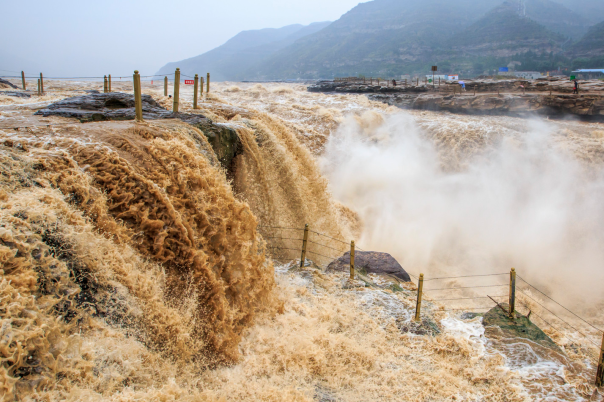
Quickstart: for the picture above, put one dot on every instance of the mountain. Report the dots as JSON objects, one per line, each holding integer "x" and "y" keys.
{"x": 375, "y": 38}
{"x": 503, "y": 32}
{"x": 391, "y": 37}
{"x": 592, "y": 10}
{"x": 557, "y": 18}
{"x": 232, "y": 60}
{"x": 592, "y": 44}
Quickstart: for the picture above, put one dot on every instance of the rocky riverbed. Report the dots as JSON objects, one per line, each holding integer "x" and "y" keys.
{"x": 550, "y": 97}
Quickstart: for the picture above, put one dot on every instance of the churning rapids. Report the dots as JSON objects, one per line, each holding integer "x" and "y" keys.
{"x": 134, "y": 267}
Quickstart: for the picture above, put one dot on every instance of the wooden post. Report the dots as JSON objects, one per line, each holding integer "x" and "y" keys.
{"x": 41, "y": 84}
{"x": 208, "y": 84}
{"x": 165, "y": 86}
{"x": 352, "y": 260}
{"x": 23, "y": 80}
{"x": 109, "y": 84}
{"x": 201, "y": 86}
{"x": 196, "y": 82}
{"x": 176, "y": 90}
{"x": 513, "y": 293}
{"x": 105, "y": 86}
{"x": 420, "y": 288}
{"x": 304, "y": 242}
{"x": 474, "y": 90}
{"x": 39, "y": 92}
{"x": 600, "y": 373}
{"x": 138, "y": 104}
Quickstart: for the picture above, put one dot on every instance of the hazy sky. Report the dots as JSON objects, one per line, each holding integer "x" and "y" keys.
{"x": 92, "y": 38}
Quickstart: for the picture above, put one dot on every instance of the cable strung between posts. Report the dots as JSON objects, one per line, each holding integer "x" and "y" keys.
{"x": 312, "y": 252}
{"x": 468, "y": 287}
{"x": 555, "y": 315}
{"x": 278, "y": 227}
{"x": 322, "y": 245}
{"x": 284, "y": 248}
{"x": 468, "y": 298}
{"x": 582, "y": 319}
{"x": 40, "y": 125}
{"x": 464, "y": 276}
{"x": 282, "y": 238}
{"x": 558, "y": 330}
{"x": 333, "y": 238}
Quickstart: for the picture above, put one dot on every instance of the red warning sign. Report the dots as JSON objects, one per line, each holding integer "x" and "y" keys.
{"x": 189, "y": 82}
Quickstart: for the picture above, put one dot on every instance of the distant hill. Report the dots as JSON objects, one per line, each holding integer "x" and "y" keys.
{"x": 592, "y": 44}
{"x": 592, "y": 10}
{"x": 557, "y": 18}
{"x": 388, "y": 38}
{"x": 503, "y": 32}
{"x": 377, "y": 37}
{"x": 232, "y": 61}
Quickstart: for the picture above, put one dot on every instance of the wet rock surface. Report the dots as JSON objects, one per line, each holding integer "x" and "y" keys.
{"x": 520, "y": 327}
{"x": 120, "y": 106}
{"x": 588, "y": 106}
{"x": 371, "y": 262}
{"x": 15, "y": 94}
{"x": 7, "y": 84}
{"x": 364, "y": 88}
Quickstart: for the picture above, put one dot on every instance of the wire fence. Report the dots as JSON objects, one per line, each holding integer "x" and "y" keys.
{"x": 287, "y": 244}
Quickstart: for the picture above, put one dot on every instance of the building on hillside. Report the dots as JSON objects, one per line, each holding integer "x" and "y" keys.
{"x": 528, "y": 75}
{"x": 589, "y": 73}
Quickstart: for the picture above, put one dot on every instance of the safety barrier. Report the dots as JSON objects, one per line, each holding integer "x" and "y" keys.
{"x": 137, "y": 89}
{"x": 514, "y": 288}
{"x": 286, "y": 242}
{"x": 320, "y": 247}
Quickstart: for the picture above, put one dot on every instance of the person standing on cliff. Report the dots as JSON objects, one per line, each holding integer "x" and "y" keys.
{"x": 576, "y": 90}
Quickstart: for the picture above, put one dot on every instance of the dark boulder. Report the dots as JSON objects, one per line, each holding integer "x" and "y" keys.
{"x": 120, "y": 106}
{"x": 7, "y": 84}
{"x": 15, "y": 94}
{"x": 371, "y": 262}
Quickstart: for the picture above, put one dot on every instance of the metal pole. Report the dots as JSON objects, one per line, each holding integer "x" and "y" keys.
{"x": 304, "y": 242}
{"x": 420, "y": 288}
{"x": 513, "y": 293}
{"x": 109, "y": 86}
{"x": 352, "y": 260}
{"x": 208, "y": 84}
{"x": 23, "y": 80}
{"x": 600, "y": 373}
{"x": 41, "y": 83}
{"x": 165, "y": 86}
{"x": 138, "y": 105}
{"x": 105, "y": 84}
{"x": 176, "y": 90}
{"x": 195, "y": 91}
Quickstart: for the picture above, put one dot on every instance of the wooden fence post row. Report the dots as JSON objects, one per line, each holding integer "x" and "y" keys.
{"x": 138, "y": 105}
{"x": 352, "y": 260}
{"x": 196, "y": 83}
{"x": 176, "y": 90}
{"x": 418, "y": 306}
{"x": 600, "y": 373}
{"x": 513, "y": 293}
{"x": 304, "y": 243}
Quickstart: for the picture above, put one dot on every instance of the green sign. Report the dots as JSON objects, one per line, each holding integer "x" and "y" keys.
{"x": 572, "y": 77}
{"x": 430, "y": 80}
